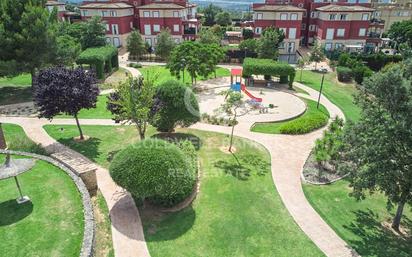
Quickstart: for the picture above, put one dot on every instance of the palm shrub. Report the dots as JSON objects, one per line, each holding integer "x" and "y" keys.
{"x": 155, "y": 170}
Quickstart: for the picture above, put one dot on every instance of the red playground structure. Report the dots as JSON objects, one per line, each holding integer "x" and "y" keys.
{"x": 237, "y": 85}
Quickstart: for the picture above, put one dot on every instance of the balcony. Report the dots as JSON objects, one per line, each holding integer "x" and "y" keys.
{"x": 189, "y": 31}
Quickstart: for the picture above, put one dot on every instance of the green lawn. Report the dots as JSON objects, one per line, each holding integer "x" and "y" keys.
{"x": 237, "y": 213}
{"x": 100, "y": 112}
{"x": 338, "y": 93}
{"x": 15, "y": 89}
{"x": 163, "y": 74}
{"x": 16, "y": 139}
{"x": 103, "y": 237}
{"x": 360, "y": 223}
{"x": 19, "y": 80}
{"x": 305, "y": 121}
{"x": 51, "y": 225}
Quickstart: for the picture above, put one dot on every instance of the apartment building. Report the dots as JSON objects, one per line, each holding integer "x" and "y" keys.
{"x": 147, "y": 16}
{"x": 391, "y": 12}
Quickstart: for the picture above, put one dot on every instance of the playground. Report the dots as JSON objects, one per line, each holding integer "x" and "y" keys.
{"x": 263, "y": 102}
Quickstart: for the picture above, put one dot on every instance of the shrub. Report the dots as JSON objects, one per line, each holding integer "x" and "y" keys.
{"x": 360, "y": 72}
{"x": 344, "y": 74}
{"x": 156, "y": 170}
{"x": 304, "y": 124}
{"x": 135, "y": 65}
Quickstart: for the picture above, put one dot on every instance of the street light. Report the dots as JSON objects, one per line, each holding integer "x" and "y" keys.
{"x": 324, "y": 71}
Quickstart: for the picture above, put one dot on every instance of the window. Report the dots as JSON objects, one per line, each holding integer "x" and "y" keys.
{"x": 303, "y": 26}
{"x": 176, "y": 28}
{"x": 365, "y": 16}
{"x": 108, "y": 40}
{"x": 115, "y": 29}
{"x": 148, "y": 40}
{"x": 258, "y": 30}
{"x": 147, "y": 30}
{"x": 377, "y": 14}
{"x": 283, "y": 30}
{"x": 259, "y": 16}
{"x": 329, "y": 33}
{"x": 340, "y": 32}
{"x": 338, "y": 45}
{"x": 113, "y": 13}
{"x": 146, "y": 14}
{"x": 313, "y": 14}
{"x": 107, "y": 27}
{"x": 292, "y": 33}
{"x": 135, "y": 3}
{"x": 304, "y": 14}
{"x": 156, "y": 28}
{"x": 177, "y": 41}
{"x": 283, "y": 16}
{"x": 85, "y": 12}
{"x": 352, "y": 1}
{"x": 328, "y": 46}
{"x": 291, "y": 47}
{"x": 312, "y": 27}
{"x": 362, "y": 32}
{"x": 176, "y": 14}
{"x": 131, "y": 24}
{"x": 343, "y": 17}
{"x": 300, "y": 5}
{"x": 293, "y": 16}
{"x": 104, "y": 13}
{"x": 282, "y": 45}
{"x": 156, "y": 14}
{"x": 332, "y": 16}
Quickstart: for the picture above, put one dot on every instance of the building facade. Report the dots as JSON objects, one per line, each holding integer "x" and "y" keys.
{"x": 147, "y": 16}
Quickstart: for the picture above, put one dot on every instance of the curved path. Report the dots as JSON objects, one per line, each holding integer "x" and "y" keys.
{"x": 288, "y": 155}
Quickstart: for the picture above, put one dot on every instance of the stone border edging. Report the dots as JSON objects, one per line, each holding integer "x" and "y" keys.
{"x": 89, "y": 229}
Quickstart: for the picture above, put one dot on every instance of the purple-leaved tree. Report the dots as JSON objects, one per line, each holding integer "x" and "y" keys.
{"x": 62, "y": 90}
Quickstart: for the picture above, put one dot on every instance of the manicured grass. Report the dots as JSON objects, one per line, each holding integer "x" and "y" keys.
{"x": 338, "y": 93}
{"x": 103, "y": 237}
{"x": 22, "y": 80}
{"x": 311, "y": 120}
{"x": 105, "y": 141}
{"x": 360, "y": 223}
{"x": 15, "y": 89}
{"x": 51, "y": 225}
{"x": 163, "y": 74}
{"x": 100, "y": 112}
{"x": 16, "y": 139}
{"x": 237, "y": 213}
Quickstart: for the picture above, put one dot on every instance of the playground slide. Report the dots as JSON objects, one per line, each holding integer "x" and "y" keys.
{"x": 257, "y": 99}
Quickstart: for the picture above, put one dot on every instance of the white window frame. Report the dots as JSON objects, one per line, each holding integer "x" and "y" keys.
{"x": 107, "y": 27}
{"x": 293, "y": 16}
{"x": 283, "y": 16}
{"x": 115, "y": 29}
{"x": 332, "y": 16}
{"x": 146, "y": 14}
{"x": 258, "y": 30}
{"x": 259, "y": 16}
{"x": 330, "y": 46}
{"x": 292, "y": 33}
{"x": 156, "y": 28}
{"x": 148, "y": 40}
{"x": 85, "y": 12}
{"x": 330, "y": 32}
{"x": 365, "y": 16}
{"x": 176, "y": 28}
{"x": 340, "y": 32}
{"x": 362, "y": 32}
{"x": 312, "y": 27}
{"x": 113, "y": 13}
{"x": 147, "y": 30}
{"x": 156, "y": 14}
{"x": 303, "y": 26}
{"x": 104, "y": 13}
{"x": 343, "y": 17}
{"x": 176, "y": 14}
{"x": 131, "y": 24}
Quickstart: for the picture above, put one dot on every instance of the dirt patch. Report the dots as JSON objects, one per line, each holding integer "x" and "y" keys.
{"x": 403, "y": 233}
{"x": 314, "y": 173}
{"x": 103, "y": 237}
{"x": 225, "y": 149}
{"x": 77, "y": 139}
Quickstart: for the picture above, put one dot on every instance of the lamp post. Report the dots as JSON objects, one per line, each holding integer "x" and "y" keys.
{"x": 324, "y": 71}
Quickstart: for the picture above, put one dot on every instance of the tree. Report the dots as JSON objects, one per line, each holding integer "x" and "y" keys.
{"x": 61, "y": 90}
{"x": 401, "y": 32}
{"x": 269, "y": 43}
{"x": 165, "y": 44}
{"x": 94, "y": 33}
{"x": 316, "y": 54}
{"x": 26, "y": 41}
{"x": 233, "y": 101}
{"x": 53, "y": 17}
{"x": 132, "y": 102}
{"x": 210, "y": 13}
{"x": 207, "y": 36}
{"x": 378, "y": 148}
{"x": 247, "y": 33}
{"x": 301, "y": 65}
{"x": 135, "y": 45}
{"x": 223, "y": 19}
{"x": 67, "y": 50}
{"x": 174, "y": 104}
{"x": 210, "y": 55}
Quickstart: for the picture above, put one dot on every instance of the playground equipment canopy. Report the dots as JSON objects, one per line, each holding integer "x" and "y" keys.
{"x": 268, "y": 67}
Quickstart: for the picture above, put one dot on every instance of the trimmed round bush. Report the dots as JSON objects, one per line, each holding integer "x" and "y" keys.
{"x": 156, "y": 170}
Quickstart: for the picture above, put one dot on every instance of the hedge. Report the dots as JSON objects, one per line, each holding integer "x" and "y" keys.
{"x": 344, "y": 74}
{"x": 304, "y": 125}
{"x": 268, "y": 67}
{"x": 103, "y": 59}
{"x": 155, "y": 170}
